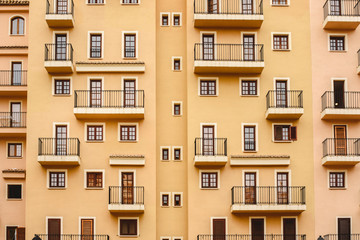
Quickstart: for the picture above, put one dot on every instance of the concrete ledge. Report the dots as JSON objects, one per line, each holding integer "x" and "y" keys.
{"x": 127, "y": 160}
{"x": 203, "y": 66}
{"x": 283, "y": 208}
{"x": 228, "y": 20}
{"x": 210, "y": 160}
{"x": 340, "y": 113}
{"x": 340, "y": 160}
{"x": 123, "y": 208}
{"x": 284, "y": 113}
{"x": 59, "y": 20}
{"x": 341, "y": 22}
{"x": 59, "y": 160}
{"x": 259, "y": 160}
{"x": 59, "y": 66}
{"x": 109, "y": 112}
{"x": 110, "y": 67}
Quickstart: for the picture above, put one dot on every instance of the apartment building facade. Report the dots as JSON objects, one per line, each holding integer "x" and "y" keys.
{"x": 14, "y": 19}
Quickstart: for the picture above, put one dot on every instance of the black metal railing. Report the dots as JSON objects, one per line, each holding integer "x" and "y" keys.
{"x": 60, "y": 7}
{"x": 358, "y": 53}
{"x": 254, "y": 7}
{"x": 229, "y": 52}
{"x": 72, "y": 237}
{"x": 284, "y": 99}
{"x": 210, "y": 146}
{"x": 12, "y": 119}
{"x": 341, "y": 147}
{"x": 126, "y": 195}
{"x": 13, "y": 77}
{"x": 345, "y": 100}
{"x": 251, "y": 237}
{"x": 341, "y": 8}
{"x": 59, "y": 52}
{"x": 342, "y": 237}
{"x": 109, "y": 98}
{"x": 268, "y": 195}
{"x": 59, "y": 147}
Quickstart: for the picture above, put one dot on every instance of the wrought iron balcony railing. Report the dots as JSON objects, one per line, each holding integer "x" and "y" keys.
{"x": 59, "y": 147}
{"x": 13, "y": 77}
{"x": 72, "y": 237}
{"x": 252, "y": 237}
{"x": 341, "y": 8}
{"x": 254, "y": 7}
{"x": 341, "y": 100}
{"x": 210, "y": 146}
{"x": 59, "y": 52}
{"x": 341, "y": 147}
{"x": 284, "y": 99}
{"x": 60, "y": 7}
{"x": 12, "y": 119}
{"x": 126, "y": 195}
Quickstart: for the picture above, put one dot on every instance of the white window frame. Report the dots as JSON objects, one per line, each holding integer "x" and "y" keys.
{"x": 173, "y": 103}
{"x": 22, "y": 191}
{"x": 209, "y": 171}
{"x": 216, "y": 79}
{"x": 338, "y": 35}
{"x": 48, "y": 179}
{"x": 136, "y": 33}
{"x": 279, "y": 5}
{"x": 102, "y": 42}
{"x": 103, "y": 124}
{"x": 129, "y": 4}
{"x": 53, "y": 86}
{"x": 165, "y": 193}
{"x": 161, "y": 18}
{"x": 288, "y": 34}
{"x": 181, "y": 199}
{"x": 257, "y": 217}
{"x": 174, "y": 14}
{"x": 273, "y": 132}
{"x": 173, "y": 63}
{"x": 94, "y": 220}
{"x": 241, "y": 79}
{"x": 173, "y": 153}
{"x": 161, "y": 153}
{"x": 256, "y": 125}
{"x": 10, "y": 20}
{"x": 128, "y": 124}
{"x": 337, "y": 171}
{"x": 129, "y": 218}
{"x": 94, "y": 4}
{"x": 54, "y": 217}
{"x": 7, "y": 149}
{"x": 94, "y": 170}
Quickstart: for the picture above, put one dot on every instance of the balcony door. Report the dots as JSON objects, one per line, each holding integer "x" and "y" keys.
{"x": 247, "y": 7}
{"x": 16, "y": 73}
{"x": 335, "y": 7}
{"x": 95, "y": 93}
{"x": 282, "y": 188}
{"x": 129, "y": 93}
{"x": 213, "y": 6}
{"x": 339, "y": 94}
{"x": 281, "y": 94}
{"x": 250, "y": 188}
{"x": 208, "y": 140}
{"x": 15, "y": 114}
{"x": 340, "y": 139}
{"x": 87, "y": 229}
{"x": 248, "y": 45}
{"x": 54, "y": 229}
{"x": 344, "y": 229}
{"x": 208, "y": 47}
{"x": 127, "y": 187}
{"x": 61, "y": 140}
{"x": 289, "y": 228}
{"x": 219, "y": 229}
{"x": 257, "y": 229}
{"x": 60, "y": 47}
{"x": 61, "y": 6}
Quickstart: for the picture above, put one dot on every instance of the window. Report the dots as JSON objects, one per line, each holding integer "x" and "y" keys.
{"x": 17, "y": 26}
{"x": 128, "y": 227}
{"x": 95, "y": 1}
{"x": 281, "y": 42}
{"x": 337, "y": 180}
{"x": 164, "y": 20}
{"x": 177, "y": 200}
{"x": 337, "y": 43}
{"x": 208, "y": 88}
{"x": 165, "y": 200}
{"x": 177, "y": 154}
{"x": 95, "y": 45}
{"x": 130, "y": 46}
{"x": 176, "y": 20}
{"x": 280, "y": 2}
{"x": 177, "y": 65}
{"x": 249, "y": 138}
{"x": 130, "y": 1}
{"x": 62, "y": 87}
{"x": 177, "y": 109}
{"x": 94, "y": 133}
{"x": 128, "y": 133}
{"x": 57, "y": 179}
{"x": 14, "y": 191}
{"x": 165, "y": 154}
{"x": 249, "y": 88}
{"x": 15, "y": 233}
{"x": 209, "y": 180}
{"x": 94, "y": 179}
{"x": 285, "y": 133}
{"x": 14, "y": 150}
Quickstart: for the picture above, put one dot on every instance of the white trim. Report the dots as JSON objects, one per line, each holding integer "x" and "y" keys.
{"x": 287, "y": 79}
{"x": 250, "y": 171}
{"x": 256, "y": 136}
{"x": 94, "y": 4}
{"x": 123, "y": 33}
{"x": 48, "y": 179}
{"x": 338, "y": 35}
{"x": 136, "y": 124}
{"x": 248, "y": 33}
{"x": 121, "y": 2}
{"x": 339, "y": 124}
{"x": 288, "y": 34}
{"x": 10, "y": 19}
{"x": 333, "y": 79}
{"x": 257, "y": 217}
{"x": 5, "y": 232}
{"x": 89, "y": 79}
{"x": 161, "y": 153}
{"x": 209, "y": 171}
{"x": 180, "y": 20}
{"x": 337, "y": 171}
{"x": 53, "y": 217}
{"x": 67, "y": 124}
{"x": 94, "y": 226}
{"x": 216, "y": 79}
{"x": 130, "y": 218}
{"x": 249, "y": 79}
{"x": 177, "y": 238}
{"x": 16, "y": 101}
{"x": 61, "y": 32}
{"x": 336, "y": 223}
{"x": 208, "y": 124}
{"x": 181, "y": 199}
{"x": 7, "y": 149}
{"x": 215, "y": 40}
{"x": 273, "y": 132}
{"x": 165, "y": 238}
{"x": 127, "y": 171}
{"x": 280, "y": 5}
{"x": 169, "y": 200}
{"x": 211, "y": 224}
{"x": 123, "y": 79}
{"x": 173, "y": 63}
{"x": 94, "y": 124}
{"x": 53, "y": 86}
{"x": 102, "y": 44}
{"x": 173, "y": 153}
{"x": 173, "y": 108}
{"x": 22, "y": 192}
{"x": 94, "y": 170}
{"x": 169, "y": 19}
{"x": 296, "y": 223}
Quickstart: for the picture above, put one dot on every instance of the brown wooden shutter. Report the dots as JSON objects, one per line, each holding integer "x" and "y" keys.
{"x": 293, "y": 133}
{"x": 278, "y": 132}
{"x": 289, "y": 228}
{"x": 20, "y": 234}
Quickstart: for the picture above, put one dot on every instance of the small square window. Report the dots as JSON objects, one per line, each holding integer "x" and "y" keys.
{"x": 209, "y": 180}
{"x": 249, "y": 88}
{"x": 94, "y": 179}
{"x": 280, "y": 2}
{"x": 177, "y": 200}
{"x": 177, "y": 154}
{"x": 164, "y": 20}
{"x": 14, "y": 191}
{"x": 95, "y": 1}
{"x": 177, "y": 66}
{"x": 130, "y": 1}
{"x": 57, "y": 179}
{"x": 128, "y": 227}
{"x": 165, "y": 154}
{"x": 177, "y": 109}
{"x": 14, "y": 150}
{"x": 176, "y": 20}
{"x": 281, "y": 42}
{"x": 285, "y": 133}
{"x": 62, "y": 87}
{"x": 208, "y": 87}
{"x": 128, "y": 133}
{"x": 165, "y": 200}
{"x": 94, "y": 133}
{"x": 337, "y": 180}
{"x": 337, "y": 43}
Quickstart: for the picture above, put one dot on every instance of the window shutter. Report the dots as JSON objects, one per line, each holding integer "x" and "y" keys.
{"x": 20, "y": 234}
{"x": 278, "y": 133}
{"x": 293, "y": 133}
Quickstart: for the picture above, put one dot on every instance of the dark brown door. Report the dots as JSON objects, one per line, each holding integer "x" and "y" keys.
{"x": 339, "y": 94}
{"x": 340, "y": 140}
{"x": 61, "y": 140}
{"x": 219, "y": 229}
{"x": 281, "y": 94}
{"x": 61, "y": 6}
{"x": 208, "y": 47}
{"x": 87, "y": 229}
{"x": 127, "y": 190}
{"x": 208, "y": 140}
{"x": 335, "y": 7}
{"x": 249, "y": 47}
{"x": 15, "y": 114}
{"x": 257, "y": 229}
{"x": 54, "y": 229}
{"x": 95, "y": 93}
{"x": 289, "y": 228}
{"x": 213, "y": 6}
{"x": 16, "y": 74}
{"x": 344, "y": 230}
{"x": 247, "y": 6}
{"x": 20, "y": 233}
{"x": 60, "y": 47}
{"x": 250, "y": 188}
{"x": 129, "y": 93}
{"x": 282, "y": 188}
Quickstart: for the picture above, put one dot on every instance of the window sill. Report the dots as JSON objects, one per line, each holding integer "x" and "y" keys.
{"x": 165, "y": 160}
{"x": 56, "y": 188}
{"x": 90, "y": 141}
{"x": 250, "y": 151}
{"x": 249, "y": 96}
{"x": 94, "y": 188}
{"x": 177, "y": 160}
{"x": 285, "y": 141}
{"x": 176, "y": 70}
{"x": 208, "y": 95}
{"x": 281, "y": 50}
{"x": 340, "y": 188}
{"x": 17, "y": 35}
{"x": 165, "y": 206}
{"x": 130, "y": 4}
{"x": 20, "y": 199}
{"x": 95, "y": 4}
{"x": 280, "y": 5}
{"x": 177, "y": 115}
{"x": 128, "y": 141}
{"x": 62, "y": 95}
{"x": 14, "y": 157}
{"x": 176, "y": 25}
{"x": 209, "y": 188}
{"x": 128, "y": 236}
{"x": 177, "y": 206}
{"x": 94, "y": 58}
{"x": 130, "y": 58}
{"x": 338, "y": 51}
{"x": 164, "y": 25}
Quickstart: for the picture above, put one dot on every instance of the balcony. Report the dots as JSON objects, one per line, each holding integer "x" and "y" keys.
{"x": 72, "y": 237}
{"x": 341, "y": 151}
{"x": 13, "y": 83}
{"x": 59, "y": 58}
{"x": 60, "y": 16}
{"x": 268, "y": 199}
{"x": 101, "y": 104}
{"x": 59, "y": 151}
{"x": 341, "y": 14}
{"x": 252, "y": 237}
{"x": 210, "y": 152}
{"x": 340, "y": 105}
{"x": 284, "y": 104}
{"x": 12, "y": 124}
{"x": 228, "y": 13}
{"x": 342, "y": 236}
{"x": 126, "y": 199}
{"x": 228, "y": 58}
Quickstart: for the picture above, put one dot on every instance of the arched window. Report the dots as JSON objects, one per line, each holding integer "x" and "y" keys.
{"x": 17, "y": 26}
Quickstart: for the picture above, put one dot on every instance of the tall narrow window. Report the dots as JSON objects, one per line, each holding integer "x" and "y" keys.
{"x": 130, "y": 46}
{"x": 16, "y": 74}
{"x": 337, "y": 43}
{"x": 176, "y": 20}
{"x": 281, "y": 42}
{"x": 177, "y": 109}
{"x": 177, "y": 200}
{"x": 165, "y": 20}
{"x": 57, "y": 179}
{"x": 337, "y": 180}
{"x": 94, "y": 133}
{"x": 17, "y": 26}
{"x": 165, "y": 200}
{"x": 177, "y": 154}
{"x": 94, "y": 179}
{"x": 165, "y": 154}
{"x": 95, "y": 45}
{"x": 128, "y": 133}
{"x": 208, "y": 87}
{"x": 14, "y": 150}
{"x": 249, "y": 138}
{"x": 62, "y": 87}
{"x": 177, "y": 65}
